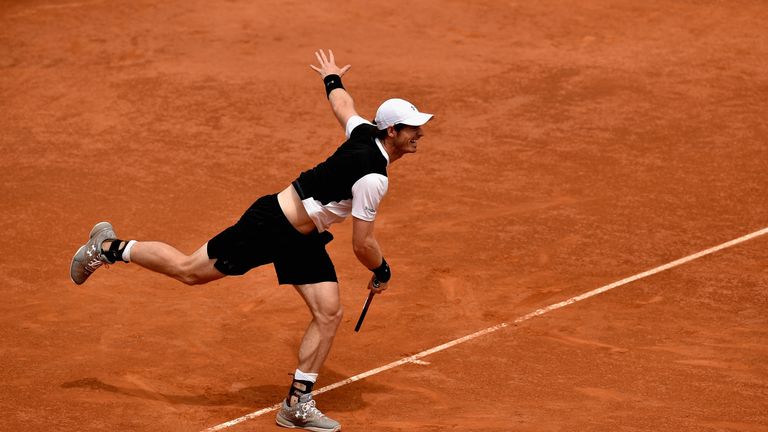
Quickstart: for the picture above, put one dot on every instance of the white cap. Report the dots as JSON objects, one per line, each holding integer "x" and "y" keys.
{"x": 399, "y": 111}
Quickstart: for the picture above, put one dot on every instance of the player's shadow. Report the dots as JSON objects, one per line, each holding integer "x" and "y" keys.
{"x": 347, "y": 398}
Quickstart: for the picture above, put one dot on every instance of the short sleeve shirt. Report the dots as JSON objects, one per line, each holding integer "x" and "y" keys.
{"x": 353, "y": 180}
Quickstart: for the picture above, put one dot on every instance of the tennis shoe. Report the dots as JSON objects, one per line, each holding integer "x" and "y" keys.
{"x": 305, "y": 415}
{"x": 90, "y": 257}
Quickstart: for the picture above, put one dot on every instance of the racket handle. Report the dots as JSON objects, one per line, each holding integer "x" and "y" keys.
{"x": 365, "y": 310}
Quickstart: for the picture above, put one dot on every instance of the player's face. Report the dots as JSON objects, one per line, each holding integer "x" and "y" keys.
{"x": 406, "y": 139}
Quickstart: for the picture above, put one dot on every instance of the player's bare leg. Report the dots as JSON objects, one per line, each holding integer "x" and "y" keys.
{"x": 299, "y": 410}
{"x": 163, "y": 258}
{"x": 103, "y": 247}
{"x": 324, "y": 304}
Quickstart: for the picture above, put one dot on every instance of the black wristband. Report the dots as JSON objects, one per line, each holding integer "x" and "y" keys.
{"x": 332, "y": 82}
{"x": 382, "y": 272}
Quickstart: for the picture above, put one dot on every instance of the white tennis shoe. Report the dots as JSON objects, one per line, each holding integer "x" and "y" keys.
{"x": 305, "y": 415}
{"x": 89, "y": 257}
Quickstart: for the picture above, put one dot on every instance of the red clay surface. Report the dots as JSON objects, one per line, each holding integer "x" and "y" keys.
{"x": 574, "y": 145}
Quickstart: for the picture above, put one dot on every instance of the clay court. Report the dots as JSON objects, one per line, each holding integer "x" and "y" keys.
{"x": 575, "y": 144}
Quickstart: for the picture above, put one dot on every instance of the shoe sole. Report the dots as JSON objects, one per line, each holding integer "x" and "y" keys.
{"x": 287, "y": 424}
{"x": 72, "y": 264}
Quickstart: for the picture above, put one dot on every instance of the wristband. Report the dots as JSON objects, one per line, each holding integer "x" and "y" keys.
{"x": 382, "y": 272}
{"x": 332, "y": 82}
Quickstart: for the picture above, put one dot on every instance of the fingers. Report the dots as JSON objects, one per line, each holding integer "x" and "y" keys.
{"x": 376, "y": 286}
{"x": 322, "y": 60}
{"x": 325, "y": 61}
{"x": 327, "y": 64}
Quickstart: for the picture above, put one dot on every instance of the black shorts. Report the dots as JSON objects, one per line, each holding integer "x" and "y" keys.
{"x": 264, "y": 235}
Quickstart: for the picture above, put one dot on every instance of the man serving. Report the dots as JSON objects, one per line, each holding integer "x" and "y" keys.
{"x": 290, "y": 230}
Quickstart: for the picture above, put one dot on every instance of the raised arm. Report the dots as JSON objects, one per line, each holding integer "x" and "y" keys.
{"x": 341, "y": 102}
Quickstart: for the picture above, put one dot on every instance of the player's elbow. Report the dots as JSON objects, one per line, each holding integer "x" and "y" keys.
{"x": 360, "y": 249}
{"x": 363, "y": 248}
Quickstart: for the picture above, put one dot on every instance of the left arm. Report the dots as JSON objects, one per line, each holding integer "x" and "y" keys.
{"x": 342, "y": 105}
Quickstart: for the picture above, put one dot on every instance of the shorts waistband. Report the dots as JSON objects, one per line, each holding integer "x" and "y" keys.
{"x": 267, "y": 209}
{"x": 299, "y": 190}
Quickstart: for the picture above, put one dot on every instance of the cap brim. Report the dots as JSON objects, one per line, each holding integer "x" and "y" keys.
{"x": 417, "y": 119}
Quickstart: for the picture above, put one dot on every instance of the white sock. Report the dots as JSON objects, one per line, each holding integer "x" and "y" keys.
{"x": 127, "y": 251}
{"x": 303, "y": 376}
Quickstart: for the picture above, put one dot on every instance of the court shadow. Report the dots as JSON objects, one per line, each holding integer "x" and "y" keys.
{"x": 246, "y": 397}
{"x": 346, "y": 398}
{"x": 349, "y": 397}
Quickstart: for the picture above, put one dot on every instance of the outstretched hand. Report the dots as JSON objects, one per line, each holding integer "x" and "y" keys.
{"x": 328, "y": 65}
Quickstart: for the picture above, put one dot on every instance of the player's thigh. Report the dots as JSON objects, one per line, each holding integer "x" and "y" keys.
{"x": 322, "y": 298}
{"x": 201, "y": 268}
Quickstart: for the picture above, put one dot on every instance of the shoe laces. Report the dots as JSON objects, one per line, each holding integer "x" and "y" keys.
{"x": 94, "y": 264}
{"x": 95, "y": 261}
{"x": 308, "y": 409}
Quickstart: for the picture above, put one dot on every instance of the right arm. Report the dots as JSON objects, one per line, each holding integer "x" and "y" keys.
{"x": 366, "y": 197}
{"x": 364, "y": 244}
{"x": 367, "y": 249}
{"x": 341, "y": 102}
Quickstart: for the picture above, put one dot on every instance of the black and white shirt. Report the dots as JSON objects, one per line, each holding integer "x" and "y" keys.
{"x": 352, "y": 181}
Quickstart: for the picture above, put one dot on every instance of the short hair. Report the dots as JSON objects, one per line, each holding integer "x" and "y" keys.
{"x": 381, "y": 134}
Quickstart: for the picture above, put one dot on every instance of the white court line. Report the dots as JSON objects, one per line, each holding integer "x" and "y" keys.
{"x": 533, "y": 314}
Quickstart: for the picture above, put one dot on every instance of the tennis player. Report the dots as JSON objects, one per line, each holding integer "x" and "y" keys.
{"x": 290, "y": 230}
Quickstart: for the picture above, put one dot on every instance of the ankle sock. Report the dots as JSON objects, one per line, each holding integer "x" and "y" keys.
{"x": 119, "y": 250}
{"x": 305, "y": 376}
{"x": 127, "y": 251}
{"x": 301, "y": 385}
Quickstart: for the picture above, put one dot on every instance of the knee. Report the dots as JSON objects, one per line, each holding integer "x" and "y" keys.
{"x": 188, "y": 275}
{"x": 330, "y": 318}
{"x": 191, "y": 279}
